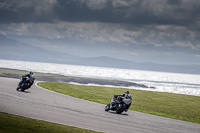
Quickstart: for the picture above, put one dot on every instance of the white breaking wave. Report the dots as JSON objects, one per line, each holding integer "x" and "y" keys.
{"x": 162, "y": 81}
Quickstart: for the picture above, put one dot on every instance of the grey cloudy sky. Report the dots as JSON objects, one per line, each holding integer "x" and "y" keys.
{"x": 160, "y": 31}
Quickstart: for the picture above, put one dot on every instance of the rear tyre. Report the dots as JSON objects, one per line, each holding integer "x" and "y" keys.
{"x": 119, "y": 111}
{"x": 107, "y": 107}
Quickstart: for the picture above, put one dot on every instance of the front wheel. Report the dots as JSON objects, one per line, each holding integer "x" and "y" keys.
{"x": 120, "y": 110}
{"x": 107, "y": 107}
{"x": 24, "y": 87}
{"x": 18, "y": 88}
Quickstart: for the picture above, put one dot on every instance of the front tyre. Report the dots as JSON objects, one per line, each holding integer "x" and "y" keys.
{"x": 107, "y": 107}
{"x": 18, "y": 88}
{"x": 120, "y": 110}
{"x": 23, "y": 87}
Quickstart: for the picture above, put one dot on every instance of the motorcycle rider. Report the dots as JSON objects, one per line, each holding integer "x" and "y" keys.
{"x": 30, "y": 75}
{"x": 116, "y": 98}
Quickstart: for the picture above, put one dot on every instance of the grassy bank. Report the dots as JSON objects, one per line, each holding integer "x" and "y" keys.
{"x": 17, "y": 124}
{"x": 176, "y": 106}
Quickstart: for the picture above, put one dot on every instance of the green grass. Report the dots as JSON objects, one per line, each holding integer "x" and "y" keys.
{"x": 18, "y": 124}
{"x": 176, "y": 106}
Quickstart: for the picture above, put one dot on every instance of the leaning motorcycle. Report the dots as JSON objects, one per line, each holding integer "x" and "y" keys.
{"x": 121, "y": 104}
{"x": 25, "y": 83}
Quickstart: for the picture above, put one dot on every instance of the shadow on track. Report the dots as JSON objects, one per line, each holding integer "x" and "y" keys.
{"x": 24, "y": 91}
{"x": 118, "y": 114}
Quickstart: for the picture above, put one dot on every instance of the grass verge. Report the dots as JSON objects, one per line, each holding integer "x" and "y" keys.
{"x": 18, "y": 124}
{"x": 176, "y": 106}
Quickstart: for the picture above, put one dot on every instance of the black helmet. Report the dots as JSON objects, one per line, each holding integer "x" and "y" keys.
{"x": 127, "y": 92}
{"x": 31, "y": 73}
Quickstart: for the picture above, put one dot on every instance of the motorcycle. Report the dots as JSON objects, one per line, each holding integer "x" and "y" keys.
{"x": 25, "y": 83}
{"x": 120, "y": 104}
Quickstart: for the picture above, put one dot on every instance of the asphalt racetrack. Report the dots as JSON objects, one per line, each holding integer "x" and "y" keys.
{"x": 50, "y": 106}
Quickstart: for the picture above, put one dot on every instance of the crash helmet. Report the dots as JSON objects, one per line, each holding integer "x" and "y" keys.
{"x": 127, "y": 92}
{"x": 31, "y": 73}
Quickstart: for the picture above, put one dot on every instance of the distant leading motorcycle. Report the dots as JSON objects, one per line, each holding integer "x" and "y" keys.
{"x": 120, "y": 103}
{"x": 25, "y": 83}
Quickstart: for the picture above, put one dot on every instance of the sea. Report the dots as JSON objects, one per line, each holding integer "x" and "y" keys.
{"x": 188, "y": 84}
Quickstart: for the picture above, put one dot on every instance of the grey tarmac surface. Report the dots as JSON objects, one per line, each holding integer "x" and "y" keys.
{"x": 50, "y": 106}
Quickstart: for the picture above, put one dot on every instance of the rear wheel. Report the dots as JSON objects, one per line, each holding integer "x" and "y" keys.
{"x": 120, "y": 110}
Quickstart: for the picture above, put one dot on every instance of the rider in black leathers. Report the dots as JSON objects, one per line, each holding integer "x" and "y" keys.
{"x": 115, "y": 98}
{"x": 30, "y": 75}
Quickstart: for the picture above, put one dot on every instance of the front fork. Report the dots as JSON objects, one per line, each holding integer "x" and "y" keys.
{"x": 127, "y": 107}
{"x": 20, "y": 83}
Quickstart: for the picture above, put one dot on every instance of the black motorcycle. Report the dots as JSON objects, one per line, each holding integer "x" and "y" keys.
{"x": 25, "y": 83}
{"x": 120, "y": 103}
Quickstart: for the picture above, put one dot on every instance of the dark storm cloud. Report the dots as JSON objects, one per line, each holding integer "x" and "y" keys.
{"x": 140, "y": 12}
{"x": 174, "y": 2}
{"x": 137, "y": 12}
{"x": 175, "y": 12}
{"x": 76, "y": 11}
{"x": 162, "y": 25}
{"x": 16, "y": 11}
